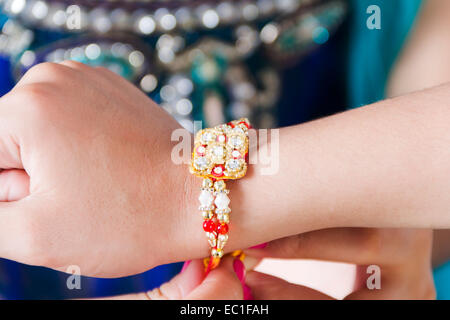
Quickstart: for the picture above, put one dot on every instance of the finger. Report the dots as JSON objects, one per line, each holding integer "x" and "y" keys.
{"x": 45, "y": 73}
{"x": 181, "y": 285}
{"x": 14, "y": 185}
{"x": 177, "y": 288}
{"x": 266, "y": 287}
{"x": 352, "y": 245}
{"x": 18, "y": 231}
{"x": 9, "y": 146}
{"x": 220, "y": 284}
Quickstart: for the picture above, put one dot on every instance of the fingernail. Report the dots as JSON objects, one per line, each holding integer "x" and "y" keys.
{"x": 259, "y": 246}
{"x": 248, "y": 295}
{"x": 239, "y": 269}
{"x": 250, "y": 263}
{"x": 185, "y": 265}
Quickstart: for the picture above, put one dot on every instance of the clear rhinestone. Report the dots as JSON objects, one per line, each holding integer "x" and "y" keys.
{"x": 207, "y": 137}
{"x": 218, "y": 152}
{"x": 233, "y": 165}
{"x": 201, "y": 163}
{"x": 236, "y": 141}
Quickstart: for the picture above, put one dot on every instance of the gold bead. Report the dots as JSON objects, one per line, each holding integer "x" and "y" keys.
{"x": 223, "y": 217}
{"x": 217, "y": 253}
{"x": 207, "y": 183}
{"x": 219, "y": 185}
{"x": 207, "y": 215}
{"x": 222, "y": 240}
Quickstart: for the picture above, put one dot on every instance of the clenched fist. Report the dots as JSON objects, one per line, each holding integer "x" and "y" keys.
{"x": 86, "y": 176}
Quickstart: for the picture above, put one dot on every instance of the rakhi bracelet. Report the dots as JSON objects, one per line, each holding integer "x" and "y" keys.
{"x": 220, "y": 154}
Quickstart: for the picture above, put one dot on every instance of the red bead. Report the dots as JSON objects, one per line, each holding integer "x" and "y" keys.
{"x": 223, "y": 228}
{"x": 230, "y": 124}
{"x": 209, "y": 225}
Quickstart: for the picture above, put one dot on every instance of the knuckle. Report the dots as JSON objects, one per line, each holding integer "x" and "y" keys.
{"x": 35, "y": 93}
{"x": 48, "y": 69}
{"x": 74, "y": 64}
{"x": 37, "y": 100}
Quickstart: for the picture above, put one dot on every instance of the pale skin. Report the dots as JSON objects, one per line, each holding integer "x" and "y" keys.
{"x": 88, "y": 179}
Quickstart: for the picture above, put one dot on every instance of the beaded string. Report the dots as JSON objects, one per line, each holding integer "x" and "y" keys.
{"x": 220, "y": 154}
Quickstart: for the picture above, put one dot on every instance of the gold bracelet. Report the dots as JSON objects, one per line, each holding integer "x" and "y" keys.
{"x": 220, "y": 153}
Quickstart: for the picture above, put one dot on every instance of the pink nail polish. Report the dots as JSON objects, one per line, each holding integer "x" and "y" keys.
{"x": 185, "y": 265}
{"x": 248, "y": 295}
{"x": 239, "y": 269}
{"x": 260, "y": 246}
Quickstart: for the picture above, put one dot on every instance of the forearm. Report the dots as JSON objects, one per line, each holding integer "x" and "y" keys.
{"x": 385, "y": 165}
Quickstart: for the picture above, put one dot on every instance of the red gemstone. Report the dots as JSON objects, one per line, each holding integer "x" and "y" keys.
{"x": 218, "y": 171}
{"x": 221, "y": 138}
{"x": 201, "y": 150}
{"x": 223, "y": 228}
{"x": 236, "y": 154}
{"x": 230, "y": 124}
{"x": 245, "y": 124}
{"x": 209, "y": 225}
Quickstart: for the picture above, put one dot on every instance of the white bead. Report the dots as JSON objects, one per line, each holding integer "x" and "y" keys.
{"x": 222, "y": 201}
{"x": 206, "y": 198}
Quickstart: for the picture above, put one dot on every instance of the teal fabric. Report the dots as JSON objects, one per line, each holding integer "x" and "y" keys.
{"x": 442, "y": 281}
{"x": 371, "y": 57}
{"x": 373, "y": 52}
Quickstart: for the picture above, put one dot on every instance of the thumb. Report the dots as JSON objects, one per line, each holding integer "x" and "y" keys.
{"x": 14, "y": 185}
{"x": 176, "y": 289}
{"x": 221, "y": 283}
{"x": 14, "y": 182}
